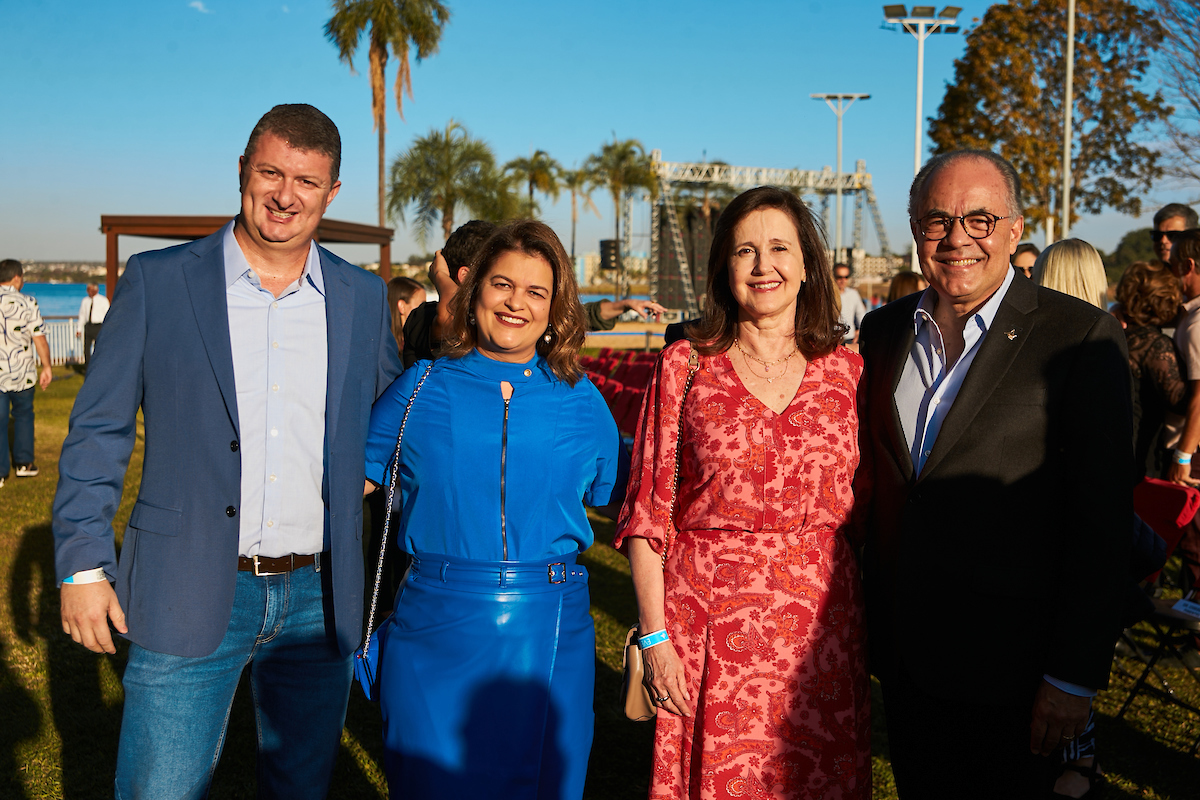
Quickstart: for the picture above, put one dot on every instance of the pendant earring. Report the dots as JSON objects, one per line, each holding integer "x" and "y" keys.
{"x": 471, "y": 318}
{"x": 549, "y": 335}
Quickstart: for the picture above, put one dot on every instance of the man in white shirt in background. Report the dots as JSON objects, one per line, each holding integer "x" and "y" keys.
{"x": 853, "y": 308}
{"x": 91, "y": 316}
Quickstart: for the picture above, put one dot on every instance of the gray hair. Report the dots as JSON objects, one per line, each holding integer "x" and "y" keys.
{"x": 1172, "y": 210}
{"x": 1012, "y": 181}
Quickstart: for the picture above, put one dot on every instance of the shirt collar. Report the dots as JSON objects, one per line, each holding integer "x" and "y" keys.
{"x": 236, "y": 264}
{"x": 983, "y": 317}
{"x": 1192, "y": 305}
{"x": 513, "y": 372}
{"x": 4, "y": 287}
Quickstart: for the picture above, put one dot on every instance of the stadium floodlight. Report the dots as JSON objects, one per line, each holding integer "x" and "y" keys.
{"x": 921, "y": 24}
{"x": 839, "y": 110}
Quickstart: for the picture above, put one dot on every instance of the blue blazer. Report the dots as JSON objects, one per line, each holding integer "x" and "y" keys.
{"x": 165, "y": 350}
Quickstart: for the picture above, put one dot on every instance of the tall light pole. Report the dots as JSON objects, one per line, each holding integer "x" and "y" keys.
{"x": 839, "y": 110}
{"x": 922, "y": 23}
{"x": 1068, "y": 103}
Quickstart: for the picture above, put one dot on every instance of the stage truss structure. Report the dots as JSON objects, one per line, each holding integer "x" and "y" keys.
{"x": 822, "y": 183}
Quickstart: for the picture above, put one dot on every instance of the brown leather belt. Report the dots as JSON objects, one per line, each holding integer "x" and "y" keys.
{"x": 276, "y": 566}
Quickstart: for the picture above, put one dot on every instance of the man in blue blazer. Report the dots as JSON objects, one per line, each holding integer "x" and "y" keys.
{"x": 254, "y": 357}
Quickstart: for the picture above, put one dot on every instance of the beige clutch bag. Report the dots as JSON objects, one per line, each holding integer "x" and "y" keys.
{"x": 635, "y": 695}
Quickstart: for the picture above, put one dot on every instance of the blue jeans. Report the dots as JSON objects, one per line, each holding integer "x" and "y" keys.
{"x": 22, "y": 412}
{"x": 177, "y": 708}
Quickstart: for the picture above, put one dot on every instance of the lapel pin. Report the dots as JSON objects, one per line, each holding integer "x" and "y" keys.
{"x": 1011, "y": 334}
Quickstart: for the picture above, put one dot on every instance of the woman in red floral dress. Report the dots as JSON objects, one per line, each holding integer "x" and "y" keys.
{"x": 749, "y": 603}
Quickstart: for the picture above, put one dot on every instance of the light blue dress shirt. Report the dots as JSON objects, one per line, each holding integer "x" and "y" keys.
{"x": 280, "y": 360}
{"x": 928, "y": 387}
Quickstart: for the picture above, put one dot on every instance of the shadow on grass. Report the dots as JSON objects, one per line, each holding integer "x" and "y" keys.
{"x": 84, "y": 695}
{"x": 85, "y": 703}
{"x": 620, "y": 763}
{"x": 23, "y": 719}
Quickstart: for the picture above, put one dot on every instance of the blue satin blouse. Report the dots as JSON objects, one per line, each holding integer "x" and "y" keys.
{"x": 562, "y": 453}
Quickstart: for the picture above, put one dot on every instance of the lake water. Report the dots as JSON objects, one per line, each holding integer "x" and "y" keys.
{"x": 63, "y": 299}
{"x": 59, "y": 299}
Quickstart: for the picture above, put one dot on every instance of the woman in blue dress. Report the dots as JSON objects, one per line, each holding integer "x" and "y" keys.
{"x": 487, "y": 664}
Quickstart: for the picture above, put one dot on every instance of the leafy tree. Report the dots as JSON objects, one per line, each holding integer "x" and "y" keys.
{"x": 580, "y": 183}
{"x": 1008, "y": 96}
{"x": 1179, "y": 54}
{"x": 442, "y": 171}
{"x": 539, "y": 171}
{"x": 394, "y": 25}
{"x": 622, "y": 166}
{"x": 1134, "y": 246}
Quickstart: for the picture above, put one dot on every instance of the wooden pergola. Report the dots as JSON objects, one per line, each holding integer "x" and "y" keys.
{"x": 188, "y": 228}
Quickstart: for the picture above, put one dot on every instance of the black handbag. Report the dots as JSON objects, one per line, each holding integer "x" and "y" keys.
{"x": 366, "y": 658}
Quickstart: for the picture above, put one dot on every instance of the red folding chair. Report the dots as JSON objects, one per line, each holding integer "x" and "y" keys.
{"x": 1167, "y": 508}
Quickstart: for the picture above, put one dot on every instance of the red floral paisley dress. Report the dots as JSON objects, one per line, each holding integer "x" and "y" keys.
{"x": 763, "y": 601}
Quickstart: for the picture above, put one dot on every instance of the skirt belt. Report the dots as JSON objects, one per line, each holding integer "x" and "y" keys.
{"x": 500, "y": 574}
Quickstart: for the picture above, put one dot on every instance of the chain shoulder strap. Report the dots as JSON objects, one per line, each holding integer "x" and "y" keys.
{"x": 387, "y": 517}
{"x": 693, "y": 367}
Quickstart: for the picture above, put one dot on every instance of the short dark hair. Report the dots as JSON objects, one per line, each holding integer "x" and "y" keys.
{"x": 1012, "y": 181}
{"x": 567, "y": 322}
{"x": 303, "y": 127}
{"x": 818, "y": 330}
{"x": 1149, "y": 294}
{"x": 850, "y": 269}
{"x": 1185, "y": 245}
{"x": 9, "y": 269}
{"x": 1026, "y": 247}
{"x": 1171, "y": 210}
{"x": 465, "y": 243}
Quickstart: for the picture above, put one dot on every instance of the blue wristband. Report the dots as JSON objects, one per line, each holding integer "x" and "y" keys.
{"x": 1182, "y": 458}
{"x": 651, "y": 639}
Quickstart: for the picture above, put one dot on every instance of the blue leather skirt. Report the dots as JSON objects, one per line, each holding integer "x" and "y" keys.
{"x": 486, "y": 679}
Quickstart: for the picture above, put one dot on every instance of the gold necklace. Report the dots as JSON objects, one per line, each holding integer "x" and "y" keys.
{"x": 766, "y": 364}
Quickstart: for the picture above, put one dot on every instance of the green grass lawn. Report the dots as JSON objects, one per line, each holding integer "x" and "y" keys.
{"x": 60, "y": 705}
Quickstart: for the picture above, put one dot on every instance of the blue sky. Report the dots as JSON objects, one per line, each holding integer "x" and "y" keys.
{"x": 143, "y": 106}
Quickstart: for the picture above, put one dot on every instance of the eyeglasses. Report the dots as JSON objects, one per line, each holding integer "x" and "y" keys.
{"x": 1156, "y": 234}
{"x": 841, "y": 277}
{"x": 979, "y": 225}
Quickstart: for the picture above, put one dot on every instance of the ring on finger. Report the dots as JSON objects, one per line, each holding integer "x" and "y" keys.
{"x": 662, "y": 699}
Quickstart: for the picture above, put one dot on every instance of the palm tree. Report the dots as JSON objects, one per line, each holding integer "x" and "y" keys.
{"x": 443, "y": 170}
{"x": 395, "y": 25}
{"x": 622, "y": 166}
{"x": 540, "y": 172}
{"x": 580, "y": 183}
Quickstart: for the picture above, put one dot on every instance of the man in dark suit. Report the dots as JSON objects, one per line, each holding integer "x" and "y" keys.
{"x": 997, "y": 498}
{"x": 254, "y": 356}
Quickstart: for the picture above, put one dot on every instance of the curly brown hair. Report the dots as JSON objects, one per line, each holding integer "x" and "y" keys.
{"x": 818, "y": 330}
{"x": 568, "y": 327}
{"x": 1149, "y": 294}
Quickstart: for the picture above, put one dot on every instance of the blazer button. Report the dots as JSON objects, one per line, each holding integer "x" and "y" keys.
{"x": 230, "y": 511}
{"x": 233, "y": 445}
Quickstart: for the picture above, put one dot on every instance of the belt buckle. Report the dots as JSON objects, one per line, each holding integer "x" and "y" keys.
{"x": 562, "y": 572}
{"x": 259, "y": 574}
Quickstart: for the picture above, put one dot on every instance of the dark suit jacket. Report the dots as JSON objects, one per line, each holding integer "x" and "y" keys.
{"x": 1004, "y": 560}
{"x": 165, "y": 349}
